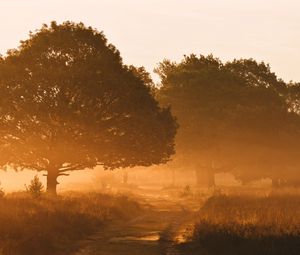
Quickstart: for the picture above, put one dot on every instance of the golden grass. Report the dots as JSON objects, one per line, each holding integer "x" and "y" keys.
{"x": 250, "y": 225}
{"x": 51, "y": 225}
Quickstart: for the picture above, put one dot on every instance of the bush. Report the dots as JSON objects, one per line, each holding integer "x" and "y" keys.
{"x": 2, "y": 193}
{"x": 36, "y": 187}
{"x": 186, "y": 191}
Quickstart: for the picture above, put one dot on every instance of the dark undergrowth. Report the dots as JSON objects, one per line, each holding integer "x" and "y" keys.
{"x": 52, "y": 225}
{"x": 231, "y": 225}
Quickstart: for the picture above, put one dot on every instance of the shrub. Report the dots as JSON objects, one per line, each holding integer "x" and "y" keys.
{"x": 36, "y": 187}
{"x": 186, "y": 191}
{"x": 2, "y": 193}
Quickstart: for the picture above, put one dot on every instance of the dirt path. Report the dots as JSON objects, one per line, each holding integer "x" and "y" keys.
{"x": 153, "y": 233}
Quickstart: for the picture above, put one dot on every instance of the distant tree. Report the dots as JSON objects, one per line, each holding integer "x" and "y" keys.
{"x": 257, "y": 74}
{"x": 231, "y": 116}
{"x": 35, "y": 188}
{"x": 2, "y": 193}
{"x": 142, "y": 74}
{"x": 278, "y": 157}
{"x": 293, "y": 97}
{"x": 73, "y": 104}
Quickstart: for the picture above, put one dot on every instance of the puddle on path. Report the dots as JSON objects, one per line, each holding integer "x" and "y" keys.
{"x": 149, "y": 237}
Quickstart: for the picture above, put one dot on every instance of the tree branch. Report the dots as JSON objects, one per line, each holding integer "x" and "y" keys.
{"x": 62, "y": 174}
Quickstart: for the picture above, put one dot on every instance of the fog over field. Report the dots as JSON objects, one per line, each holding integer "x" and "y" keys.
{"x": 149, "y": 127}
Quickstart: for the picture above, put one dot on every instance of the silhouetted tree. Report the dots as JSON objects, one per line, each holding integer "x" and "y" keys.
{"x": 35, "y": 188}
{"x": 2, "y": 193}
{"x": 73, "y": 105}
{"x": 230, "y": 115}
{"x": 278, "y": 157}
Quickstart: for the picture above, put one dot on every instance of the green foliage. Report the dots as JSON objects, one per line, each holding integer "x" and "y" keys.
{"x": 36, "y": 187}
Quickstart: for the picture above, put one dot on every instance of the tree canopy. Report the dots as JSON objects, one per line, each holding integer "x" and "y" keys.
{"x": 69, "y": 103}
{"x": 233, "y": 116}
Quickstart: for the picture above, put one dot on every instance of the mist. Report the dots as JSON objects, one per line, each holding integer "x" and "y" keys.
{"x": 149, "y": 128}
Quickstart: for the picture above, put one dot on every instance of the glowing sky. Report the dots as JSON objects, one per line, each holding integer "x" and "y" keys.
{"x": 146, "y": 31}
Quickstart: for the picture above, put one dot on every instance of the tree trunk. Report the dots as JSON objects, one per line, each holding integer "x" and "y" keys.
{"x": 211, "y": 178}
{"x": 173, "y": 177}
{"x": 284, "y": 183}
{"x": 125, "y": 177}
{"x": 52, "y": 175}
{"x": 198, "y": 177}
{"x": 205, "y": 177}
{"x": 276, "y": 183}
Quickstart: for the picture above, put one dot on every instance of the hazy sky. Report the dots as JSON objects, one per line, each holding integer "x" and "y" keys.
{"x": 146, "y": 31}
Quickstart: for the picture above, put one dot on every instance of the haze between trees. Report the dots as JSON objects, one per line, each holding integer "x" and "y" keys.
{"x": 69, "y": 103}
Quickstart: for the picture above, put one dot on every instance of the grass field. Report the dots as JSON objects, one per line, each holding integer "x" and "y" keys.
{"x": 248, "y": 225}
{"x": 50, "y": 225}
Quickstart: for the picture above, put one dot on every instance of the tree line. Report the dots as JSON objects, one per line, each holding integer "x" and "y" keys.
{"x": 68, "y": 102}
{"x": 235, "y": 117}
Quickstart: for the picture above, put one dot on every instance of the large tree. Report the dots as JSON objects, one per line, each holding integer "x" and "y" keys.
{"x": 232, "y": 116}
{"x": 73, "y": 105}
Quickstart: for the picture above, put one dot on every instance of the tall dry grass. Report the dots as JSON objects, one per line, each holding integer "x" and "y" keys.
{"x": 249, "y": 225}
{"x": 51, "y": 225}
